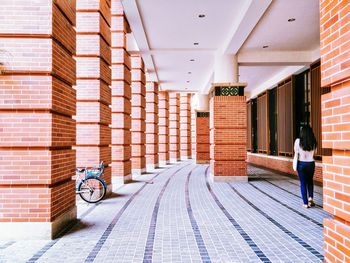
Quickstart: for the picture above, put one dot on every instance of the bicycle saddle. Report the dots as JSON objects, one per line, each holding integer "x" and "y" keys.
{"x": 80, "y": 170}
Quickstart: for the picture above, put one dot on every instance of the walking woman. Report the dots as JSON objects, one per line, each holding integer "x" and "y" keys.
{"x": 305, "y": 146}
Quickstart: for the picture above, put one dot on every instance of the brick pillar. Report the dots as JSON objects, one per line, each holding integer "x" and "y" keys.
{"x": 174, "y": 127}
{"x": 202, "y": 135}
{"x": 37, "y": 102}
{"x": 138, "y": 115}
{"x": 152, "y": 161}
{"x": 193, "y": 132}
{"x": 228, "y": 134}
{"x": 93, "y": 79}
{"x": 163, "y": 128}
{"x": 185, "y": 126}
{"x": 121, "y": 95}
{"x": 335, "y": 83}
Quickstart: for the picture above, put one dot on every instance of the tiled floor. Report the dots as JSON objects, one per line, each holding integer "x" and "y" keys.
{"x": 177, "y": 215}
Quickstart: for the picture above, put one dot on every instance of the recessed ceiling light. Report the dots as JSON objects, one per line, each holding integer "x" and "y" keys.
{"x": 196, "y": 43}
{"x": 201, "y": 15}
{"x": 265, "y": 46}
{"x": 189, "y": 72}
{"x": 188, "y": 81}
{"x": 291, "y": 19}
{"x": 192, "y": 60}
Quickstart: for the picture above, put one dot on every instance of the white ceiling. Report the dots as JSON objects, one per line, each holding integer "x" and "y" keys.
{"x": 165, "y": 31}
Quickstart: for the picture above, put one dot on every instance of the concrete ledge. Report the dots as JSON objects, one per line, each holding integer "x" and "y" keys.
{"x": 37, "y": 230}
{"x": 202, "y": 161}
{"x": 185, "y": 158}
{"x": 119, "y": 181}
{"x": 174, "y": 160}
{"x": 151, "y": 167}
{"x": 228, "y": 179}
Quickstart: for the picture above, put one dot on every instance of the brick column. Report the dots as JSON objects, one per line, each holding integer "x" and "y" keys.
{"x": 138, "y": 115}
{"x": 37, "y": 102}
{"x": 185, "y": 126}
{"x": 193, "y": 132}
{"x": 335, "y": 83}
{"x": 121, "y": 95}
{"x": 228, "y": 134}
{"x": 93, "y": 79}
{"x": 202, "y": 135}
{"x": 174, "y": 127}
{"x": 152, "y": 161}
{"x": 163, "y": 128}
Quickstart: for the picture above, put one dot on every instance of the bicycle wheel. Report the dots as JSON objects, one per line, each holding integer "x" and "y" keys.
{"x": 92, "y": 189}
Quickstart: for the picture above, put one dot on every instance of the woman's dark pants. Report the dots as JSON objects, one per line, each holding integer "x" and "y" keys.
{"x": 306, "y": 173}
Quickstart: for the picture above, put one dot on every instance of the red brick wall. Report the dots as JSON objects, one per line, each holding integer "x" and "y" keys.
{"x": 163, "y": 127}
{"x": 193, "y": 132}
{"x": 174, "y": 126}
{"x": 93, "y": 58}
{"x": 202, "y": 140}
{"x": 185, "y": 126}
{"x": 138, "y": 115}
{"x": 280, "y": 164}
{"x": 37, "y": 102}
{"x": 121, "y": 96}
{"x": 152, "y": 124}
{"x": 228, "y": 136}
{"x": 335, "y": 73}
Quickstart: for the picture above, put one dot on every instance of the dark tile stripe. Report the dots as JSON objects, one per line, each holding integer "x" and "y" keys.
{"x": 279, "y": 187}
{"x": 240, "y": 230}
{"x": 148, "y": 254}
{"x": 285, "y": 230}
{"x": 299, "y": 187}
{"x": 6, "y": 245}
{"x": 197, "y": 234}
{"x": 287, "y": 206}
{"x": 49, "y": 245}
{"x": 96, "y": 249}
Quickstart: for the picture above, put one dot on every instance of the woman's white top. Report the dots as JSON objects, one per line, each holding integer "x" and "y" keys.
{"x": 304, "y": 156}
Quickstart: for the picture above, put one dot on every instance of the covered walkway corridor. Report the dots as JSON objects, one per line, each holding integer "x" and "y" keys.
{"x": 177, "y": 215}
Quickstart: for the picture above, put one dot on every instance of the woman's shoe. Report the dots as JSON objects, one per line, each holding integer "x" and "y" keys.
{"x": 306, "y": 206}
{"x": 311, "y": 202}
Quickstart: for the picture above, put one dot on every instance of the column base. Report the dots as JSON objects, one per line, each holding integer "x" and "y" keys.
{"x": 136, "y": 172}
{"x": 228, "y": 179}
{"x": 163, "y": 163}
{"x": 119, "y": 181}
{"x": 202, "y": 161}
{"x": 151, "y": 167}
{"x": 184, "y": 158}
{"x": 37, "y": 230}
{"x": 174, "y": 160}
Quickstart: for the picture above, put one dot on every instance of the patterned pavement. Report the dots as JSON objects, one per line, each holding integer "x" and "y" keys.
{"x": 177, "y": 215}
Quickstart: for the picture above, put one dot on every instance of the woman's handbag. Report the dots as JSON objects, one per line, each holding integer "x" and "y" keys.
{"x": 295, "y": 159}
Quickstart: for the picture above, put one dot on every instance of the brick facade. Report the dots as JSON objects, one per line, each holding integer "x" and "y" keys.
{"x": 93, "y": 58}
{"x": 37, "y": 102}
{"x": 174, "y": 126}
{"x": 151, "y": 125}
{"x": 163, "y": 128}
{"x": 193, "y": 132}
{"x": 335, "y": 74}
{"x": 121, "y": 96}
{"x": 138, "y": 115}
{"x": 202, "y": 139}
{"x": 228, "y": 136}
{"x": 185, "y": 126}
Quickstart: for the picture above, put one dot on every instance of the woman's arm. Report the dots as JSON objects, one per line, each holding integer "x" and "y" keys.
{"x": 296, "y": 145}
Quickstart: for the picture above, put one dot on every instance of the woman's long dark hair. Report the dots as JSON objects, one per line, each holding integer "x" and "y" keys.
{"x": 307, "y": 139}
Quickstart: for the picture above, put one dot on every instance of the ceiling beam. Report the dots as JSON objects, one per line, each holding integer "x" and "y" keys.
{"x": 275, "y": 58}
{"x": 250, "y": 16}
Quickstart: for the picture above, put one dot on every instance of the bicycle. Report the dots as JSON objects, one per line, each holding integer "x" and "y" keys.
{"x": 91, "y": 188}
